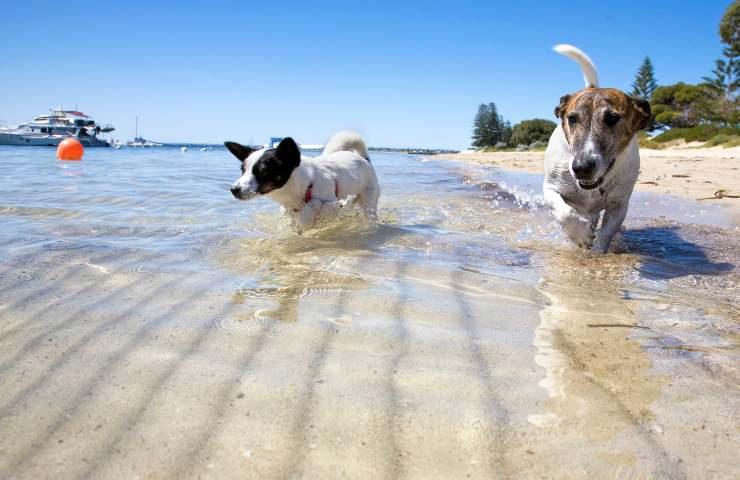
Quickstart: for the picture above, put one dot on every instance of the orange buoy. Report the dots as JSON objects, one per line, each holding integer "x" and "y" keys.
{"x": 70, "y": 149}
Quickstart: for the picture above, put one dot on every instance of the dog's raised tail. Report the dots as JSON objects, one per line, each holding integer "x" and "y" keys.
{"x": 587, "y": 66}
{"x": 347, "y": 141}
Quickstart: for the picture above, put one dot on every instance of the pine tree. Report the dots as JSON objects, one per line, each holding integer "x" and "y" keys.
{"x": 729, "y": 32}
{"x": 645, "y": 83}
{"x": 494, "y": 125}
{"x": 506, "y": 132}
{"x": 725, "y": 82}
{"x": 489, "y": 127}
{"x": 480, "y": 128}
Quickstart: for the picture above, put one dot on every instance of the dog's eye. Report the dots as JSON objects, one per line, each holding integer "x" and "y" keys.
{"x": 572, "y": 119}
{"x": 611, "y": 118}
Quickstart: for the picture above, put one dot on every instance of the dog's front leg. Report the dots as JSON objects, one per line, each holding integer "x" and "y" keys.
{"x": 307, "y": 216}
{"x": 613, "y": 217}
{"x": 330, "y": 210}
{"x": 579, "y": 229}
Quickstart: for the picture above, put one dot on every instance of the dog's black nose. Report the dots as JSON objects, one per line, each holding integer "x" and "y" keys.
{"x": 583, "y": 168}
{"x": 236, "y": 192}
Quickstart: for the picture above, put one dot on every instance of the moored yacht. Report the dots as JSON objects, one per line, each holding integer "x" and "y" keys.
{"x": 51, "y": 129}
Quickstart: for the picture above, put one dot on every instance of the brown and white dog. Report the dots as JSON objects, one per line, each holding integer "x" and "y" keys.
{"x": 592, "y": 159}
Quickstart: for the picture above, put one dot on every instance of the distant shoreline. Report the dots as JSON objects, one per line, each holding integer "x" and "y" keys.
{"x": 408, "y": 150}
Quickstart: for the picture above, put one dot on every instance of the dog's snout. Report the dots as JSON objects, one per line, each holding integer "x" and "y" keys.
{"x": 583, "y": 168}
{"x": 241, "y": 192}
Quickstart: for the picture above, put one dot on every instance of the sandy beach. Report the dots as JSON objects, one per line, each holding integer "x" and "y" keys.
{"x": 693, "y": 173}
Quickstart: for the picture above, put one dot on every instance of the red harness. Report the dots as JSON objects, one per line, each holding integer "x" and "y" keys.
{"x": 308, "y": 196}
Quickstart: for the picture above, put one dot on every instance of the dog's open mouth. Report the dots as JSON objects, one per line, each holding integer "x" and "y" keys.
{"x": 586, "y": 185}
{"x": 590, "y": 185}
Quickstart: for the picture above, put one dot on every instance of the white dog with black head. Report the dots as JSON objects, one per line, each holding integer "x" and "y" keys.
{"x": 307, "y": 186}
{"x": 592, "y": 160}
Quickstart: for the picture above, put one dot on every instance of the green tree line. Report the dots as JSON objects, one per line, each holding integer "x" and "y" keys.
{"x": 490, "y": 129}
{"x": 714, "y": 101}
{"x": 711, "y": 106}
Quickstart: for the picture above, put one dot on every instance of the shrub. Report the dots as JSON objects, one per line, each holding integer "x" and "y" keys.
{"x": 528, "y": 132}
{"x": 538, "y": 145}
{"x": 699, "y": 133}
{"x": 724, "y": 140}
{"x": 717, "y": 140}
{"x": 681, "y": 105}
{"x": 647, "y": 142}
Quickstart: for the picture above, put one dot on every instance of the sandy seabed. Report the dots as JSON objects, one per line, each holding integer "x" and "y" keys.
{"x": 152, "y": 327}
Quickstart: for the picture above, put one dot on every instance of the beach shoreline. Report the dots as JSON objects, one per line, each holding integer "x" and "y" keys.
{"x": 691, "y": 173}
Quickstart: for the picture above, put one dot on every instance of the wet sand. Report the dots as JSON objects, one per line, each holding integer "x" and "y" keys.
{"x": 703, "y": 174}
{"x": 148, "y": 333}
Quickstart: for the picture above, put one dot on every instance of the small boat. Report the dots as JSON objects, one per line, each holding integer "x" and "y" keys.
{"x": 141, "y": 142}
{"x": 311, "y": 146}
{"x": 184, "y": 149}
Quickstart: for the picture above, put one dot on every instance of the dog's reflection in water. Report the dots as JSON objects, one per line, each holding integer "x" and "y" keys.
{"x": 320, "y": 270}
{"x": 296, "y": 270}
{"x": 295, "y": 285}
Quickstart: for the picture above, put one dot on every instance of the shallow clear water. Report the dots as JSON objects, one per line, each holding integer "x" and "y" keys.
{"x": 153, "y": 326}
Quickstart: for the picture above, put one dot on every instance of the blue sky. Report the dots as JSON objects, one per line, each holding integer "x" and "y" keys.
{"x": 402, "y": 73}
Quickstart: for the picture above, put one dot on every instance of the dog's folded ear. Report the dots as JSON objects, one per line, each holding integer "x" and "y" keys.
{"x": 642, "y": 113}
{"x": 560, "y": 109}
{"x": 288, "y": 152}
{"x": 239, "y": 151}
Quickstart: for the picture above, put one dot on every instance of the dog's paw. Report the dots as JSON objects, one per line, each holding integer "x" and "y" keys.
{"x": 602, "y": 242}
{"x": 580, "y": 231}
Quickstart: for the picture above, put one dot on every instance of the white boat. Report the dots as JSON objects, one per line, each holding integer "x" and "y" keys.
{"x": 141, "y": 142}
{"x": 311, "y": 146}
{"x": 50, "y": 130}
